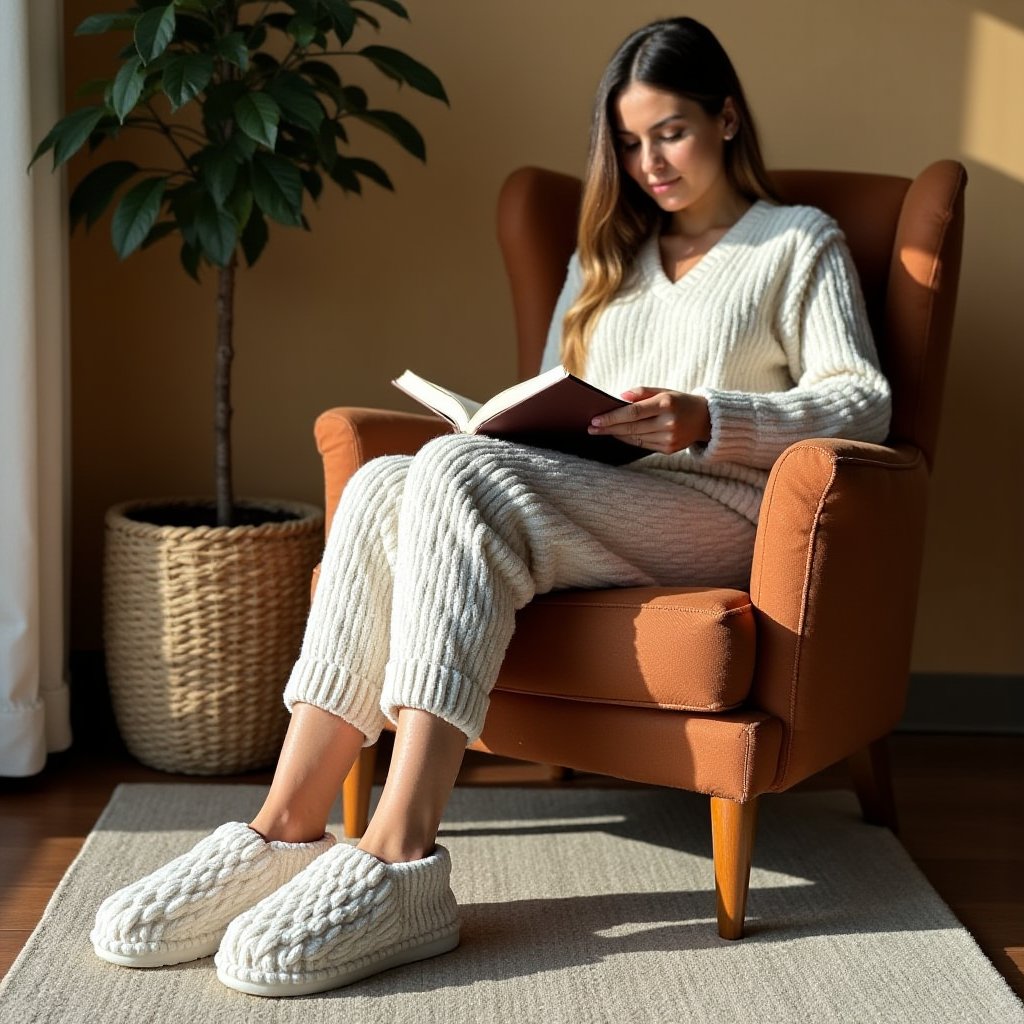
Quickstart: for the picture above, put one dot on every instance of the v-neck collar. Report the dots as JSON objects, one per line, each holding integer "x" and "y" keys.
{"x": 650, "y": 255}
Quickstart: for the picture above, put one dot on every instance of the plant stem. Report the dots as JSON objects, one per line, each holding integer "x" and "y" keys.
{"x": 167, "y": 131}
{"x": 222, "y": 392}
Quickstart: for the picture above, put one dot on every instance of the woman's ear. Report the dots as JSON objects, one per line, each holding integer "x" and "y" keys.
{"x": 729, "y": 118}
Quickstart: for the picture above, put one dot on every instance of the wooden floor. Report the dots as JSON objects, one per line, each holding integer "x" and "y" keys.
{"x": 960, "y": 801}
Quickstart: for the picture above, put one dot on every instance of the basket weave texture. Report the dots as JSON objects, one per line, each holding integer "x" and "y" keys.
{"x": 201, "y": 627}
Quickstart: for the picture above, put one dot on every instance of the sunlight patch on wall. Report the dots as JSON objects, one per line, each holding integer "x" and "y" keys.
{"x": 994, "y": 95}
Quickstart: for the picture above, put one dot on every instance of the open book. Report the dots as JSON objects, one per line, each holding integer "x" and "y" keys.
{"x": 552, "y": 410}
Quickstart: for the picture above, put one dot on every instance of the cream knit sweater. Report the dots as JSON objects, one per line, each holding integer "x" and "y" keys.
{"x": 770, "y": 327}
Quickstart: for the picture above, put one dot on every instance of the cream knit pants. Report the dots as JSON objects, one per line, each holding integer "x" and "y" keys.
{"x": 429, "y": 557}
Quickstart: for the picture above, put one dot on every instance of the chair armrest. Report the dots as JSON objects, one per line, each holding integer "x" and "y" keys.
{"x": 347, "y": 437}
{"x": 834, "y": 583}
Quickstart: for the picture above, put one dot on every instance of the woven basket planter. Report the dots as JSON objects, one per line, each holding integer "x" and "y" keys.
{"x": 201, "y": 627}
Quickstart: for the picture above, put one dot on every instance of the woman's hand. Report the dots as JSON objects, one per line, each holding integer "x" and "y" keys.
{"x": 657, "y": 419}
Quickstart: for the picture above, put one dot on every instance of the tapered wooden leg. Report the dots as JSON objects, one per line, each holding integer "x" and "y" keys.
{"x": 732, "y": 838}
{"x": 872, "y": 779}
{"x": 355, "y": 793}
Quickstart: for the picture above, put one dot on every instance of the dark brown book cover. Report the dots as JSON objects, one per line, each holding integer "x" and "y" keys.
{"x": 558, "y": 417}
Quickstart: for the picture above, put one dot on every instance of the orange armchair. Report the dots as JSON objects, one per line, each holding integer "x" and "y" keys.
{"x": 724, "y": 692}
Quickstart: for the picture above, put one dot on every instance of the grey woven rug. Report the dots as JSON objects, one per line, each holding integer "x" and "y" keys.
{"x": 578, "y": 906}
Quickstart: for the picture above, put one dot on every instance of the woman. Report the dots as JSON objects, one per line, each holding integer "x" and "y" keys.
{"x": 733, "y": 325}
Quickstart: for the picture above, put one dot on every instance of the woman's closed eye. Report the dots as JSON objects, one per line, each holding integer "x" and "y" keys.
{"x": 631, "y": 145}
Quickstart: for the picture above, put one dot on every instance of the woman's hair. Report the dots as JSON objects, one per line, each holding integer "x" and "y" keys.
{"x": 679, "y": 56}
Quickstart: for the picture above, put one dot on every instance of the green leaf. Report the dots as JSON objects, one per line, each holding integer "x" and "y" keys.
{"x": 313, "y": 182}
{"x": 241, "y": 148}
{"x": 154, "y": 31}
{"x": 196, "y": 31}
{"x": 136, "y": 214}
{"x": 402, "y": 68}
{"x": 219, "y": 171}
{"x": 254, "y": 237}
{"x": 93, "y": 193}
{"x": 158, "y": 231}
{"x": 233, "y": 49}
{"x": 185, "y": 76}
{"x": 258, "y": 115}
{"x": 398, "y": 128}
{"x": 69, "y": 134}
{"x": 97, "y": 24}
{"x": 218, "y": 233}
{"x": 279, "y": 20}
{"x": 255, "y": 35}
{"x": 370, "y": 170}
{"x": 201, "y": 7}
{"x": 277, "y": 188}
{"x": 190, "y": 261}
{"x": 94, "y": 87}
{"x": 343, "y": 19}
{"x": 354, "y": 97}
{"x": 320, "y": 71}
{"x": 302, "y": 31}
{"x": 185, "y": 200}
{"x": 393, "y": 6}
{"x": 368, "y": 18}
{"x": 327, "y": 144}
{"x": 346, "y": 177}
{"x": 127, "y": 88}
{"x": 297, "y": 99}
{"x": 219, "y": 106}
{"x": 240, "y": 202}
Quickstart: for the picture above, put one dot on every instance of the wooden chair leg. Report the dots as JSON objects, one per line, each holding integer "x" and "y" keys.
{"x": 872, "y": 779}
{"x": 732, "y": 839}
{"x": 355, "y": 793}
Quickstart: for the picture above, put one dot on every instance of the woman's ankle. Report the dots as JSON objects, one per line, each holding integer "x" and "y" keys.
{"x": 393, "y": 849}
{"x": 285, "y": 830}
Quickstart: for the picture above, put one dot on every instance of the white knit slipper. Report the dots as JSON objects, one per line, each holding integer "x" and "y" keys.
{"x": 180, "y": 911}
{"x": 347, "y": 916}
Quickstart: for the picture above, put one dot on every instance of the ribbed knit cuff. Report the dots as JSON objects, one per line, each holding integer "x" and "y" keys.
{"x": 441, "y": 690}
{"x": 733, "y": 427}
{"x": 341, "y": 692}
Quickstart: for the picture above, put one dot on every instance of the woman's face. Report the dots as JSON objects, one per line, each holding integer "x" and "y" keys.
{"x": 672, "y": 149}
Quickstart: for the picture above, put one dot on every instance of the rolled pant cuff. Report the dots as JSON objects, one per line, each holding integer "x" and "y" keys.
{"x": 336, "y": 689}
{"x": 441, "y": 690}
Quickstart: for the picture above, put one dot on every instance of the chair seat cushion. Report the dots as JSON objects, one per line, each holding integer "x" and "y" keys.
{"x": 684, "y": 648}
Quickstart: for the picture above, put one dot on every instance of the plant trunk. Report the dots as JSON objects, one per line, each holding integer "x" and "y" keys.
{"x": 222, "y": 393}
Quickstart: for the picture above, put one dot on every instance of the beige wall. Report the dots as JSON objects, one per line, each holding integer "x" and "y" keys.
{"x": 414, "y": 279}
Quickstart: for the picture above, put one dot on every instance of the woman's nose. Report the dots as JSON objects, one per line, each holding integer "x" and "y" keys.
{"x": 650, "y": 159}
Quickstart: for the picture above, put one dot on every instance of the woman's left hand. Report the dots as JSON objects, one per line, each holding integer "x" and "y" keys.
{"x": 658, "y": 420}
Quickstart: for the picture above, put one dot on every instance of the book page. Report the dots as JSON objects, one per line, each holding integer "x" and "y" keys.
{"x": 514, "y": 395}
{"x": 455, "y": 408}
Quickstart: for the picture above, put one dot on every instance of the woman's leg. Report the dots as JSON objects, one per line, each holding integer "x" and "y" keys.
{"x": 345, "y": 646}
{"x": 424, "y": 765}
{"x": 334, "y": 689}
{"x": 319, "y": 749}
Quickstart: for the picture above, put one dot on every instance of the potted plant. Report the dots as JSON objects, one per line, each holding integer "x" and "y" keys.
{"x": 204, "y": 602}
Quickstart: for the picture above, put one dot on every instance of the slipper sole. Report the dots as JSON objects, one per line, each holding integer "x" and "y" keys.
{"x": 303, "y": 985}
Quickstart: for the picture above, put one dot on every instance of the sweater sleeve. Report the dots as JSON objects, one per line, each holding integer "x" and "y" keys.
{"x": 552, "y": 356}
{"x": 839, "y": 391}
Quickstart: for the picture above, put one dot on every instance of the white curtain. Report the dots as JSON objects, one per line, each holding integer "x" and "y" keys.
{"x": 34, "y": 495}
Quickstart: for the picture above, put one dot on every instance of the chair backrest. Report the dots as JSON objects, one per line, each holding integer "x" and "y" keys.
{"x": 905, "y": 237}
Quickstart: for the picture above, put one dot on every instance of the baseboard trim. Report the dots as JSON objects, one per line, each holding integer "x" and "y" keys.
{"x": 963, "y": 703}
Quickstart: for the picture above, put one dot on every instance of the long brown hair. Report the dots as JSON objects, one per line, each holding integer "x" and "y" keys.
{"x": 676, "y": 55}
